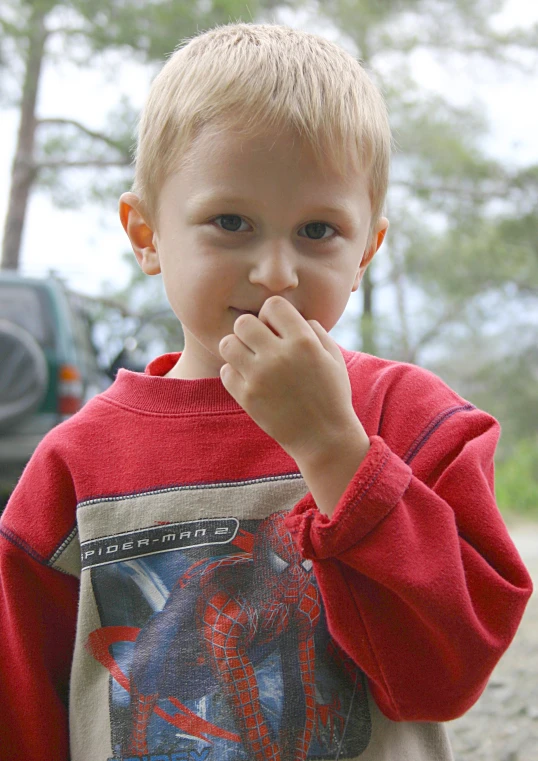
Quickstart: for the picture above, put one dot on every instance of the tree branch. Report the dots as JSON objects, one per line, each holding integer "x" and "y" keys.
{"x": 69, "y": 31}
{"x": 493, "y": 45}
{"x": 86, "y": 130}
{"x": 526, "y": 288}
{"x": 447, "y": 317}
{"x": 10, "y": 29}
{"x": 101, "y": 163}
{"x": 457, "y": 190}
{"x": 106, "y": 302}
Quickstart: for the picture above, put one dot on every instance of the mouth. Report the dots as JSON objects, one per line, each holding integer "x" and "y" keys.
{"x": 244, "y": 311}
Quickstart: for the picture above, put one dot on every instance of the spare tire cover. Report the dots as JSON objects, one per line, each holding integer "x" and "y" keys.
{"x": 23, "y": 373}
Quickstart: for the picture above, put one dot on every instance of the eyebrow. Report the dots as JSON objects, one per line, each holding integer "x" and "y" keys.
{"x": 205, "y": 199}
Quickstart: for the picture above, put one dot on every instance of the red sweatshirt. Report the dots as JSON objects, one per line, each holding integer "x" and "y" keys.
{"x": 170, "y": 591}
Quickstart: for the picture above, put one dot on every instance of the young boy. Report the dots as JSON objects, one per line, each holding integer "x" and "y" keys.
{"x": 265, "y": 546}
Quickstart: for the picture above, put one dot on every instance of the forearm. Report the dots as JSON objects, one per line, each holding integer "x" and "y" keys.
{"x": 413, "y": 579}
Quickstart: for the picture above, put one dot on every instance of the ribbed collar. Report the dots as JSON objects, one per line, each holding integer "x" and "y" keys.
{"x": 151, "y": 392}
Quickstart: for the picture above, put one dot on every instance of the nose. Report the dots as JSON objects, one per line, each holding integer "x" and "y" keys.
{"x": 275, "y": 267}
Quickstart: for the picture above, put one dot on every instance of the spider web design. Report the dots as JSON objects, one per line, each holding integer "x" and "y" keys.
{"x": 249, "y": 635}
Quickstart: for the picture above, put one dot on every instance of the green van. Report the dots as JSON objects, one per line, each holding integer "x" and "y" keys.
{"x": 48, "y": 365}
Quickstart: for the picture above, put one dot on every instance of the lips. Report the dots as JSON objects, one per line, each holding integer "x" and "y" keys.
{"x": 245, "y": 311}
{"x": 248, "y": 311}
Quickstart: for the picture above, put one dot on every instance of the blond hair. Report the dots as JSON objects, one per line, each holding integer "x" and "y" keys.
{"x": 259, "y": 78}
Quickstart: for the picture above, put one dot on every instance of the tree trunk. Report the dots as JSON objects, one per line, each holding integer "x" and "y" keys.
{"x": 406, "y": 354}
{"x": 23, "y": 171}
{"x": 367, "y": 327}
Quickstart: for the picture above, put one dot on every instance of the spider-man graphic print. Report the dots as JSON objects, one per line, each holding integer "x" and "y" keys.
{"x": 236, "y": 664}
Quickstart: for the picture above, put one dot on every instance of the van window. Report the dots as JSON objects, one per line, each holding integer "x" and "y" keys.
{"x": 27, "y": 307}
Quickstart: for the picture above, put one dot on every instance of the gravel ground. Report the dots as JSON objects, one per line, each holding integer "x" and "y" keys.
{"x": 503, "y": 724}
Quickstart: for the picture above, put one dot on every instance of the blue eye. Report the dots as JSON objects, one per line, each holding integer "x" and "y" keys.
{"x": 231, "y": 220}
{"x": 317, "y": 229}
{"x": 231, "y": 223}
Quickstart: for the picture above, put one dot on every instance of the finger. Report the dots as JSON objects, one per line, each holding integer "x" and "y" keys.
{"x": 232, "y": 381}
{"x": 253, "y": 332}
{"x": 281, "y": 316}
{"x": 325, "y": 339}
{"x": 234, "y": 351}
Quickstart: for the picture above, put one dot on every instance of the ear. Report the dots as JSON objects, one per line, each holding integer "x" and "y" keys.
{"x": 139, "y": 233}
{"x": 377, "y": 239}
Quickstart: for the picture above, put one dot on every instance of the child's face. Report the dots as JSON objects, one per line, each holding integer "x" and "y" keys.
{"x": 247, "y": 221}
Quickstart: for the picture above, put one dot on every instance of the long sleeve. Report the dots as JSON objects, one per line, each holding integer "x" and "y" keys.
{"x": 422, "y": 584}
{"x": 38, "y": 609}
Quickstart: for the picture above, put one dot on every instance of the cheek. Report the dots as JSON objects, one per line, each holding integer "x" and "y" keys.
{"x": 333, "y": 292}
{"x": 191, "y": 267}
{"x": 209, "y": 290}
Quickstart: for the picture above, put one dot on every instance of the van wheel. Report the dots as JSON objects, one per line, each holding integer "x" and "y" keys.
{"x": 23, "y": 374}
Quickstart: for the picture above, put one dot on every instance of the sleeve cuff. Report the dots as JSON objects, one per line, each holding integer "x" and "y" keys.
{"x": 376, "y": 488}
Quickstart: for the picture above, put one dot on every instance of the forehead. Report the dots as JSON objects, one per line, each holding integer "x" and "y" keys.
{"x": 269, "y": 168}
{"x": 227, "y": 148}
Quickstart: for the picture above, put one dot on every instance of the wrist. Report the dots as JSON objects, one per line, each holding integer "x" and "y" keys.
{"x": 329, "y": 469}
{"x": 332, "y": 447}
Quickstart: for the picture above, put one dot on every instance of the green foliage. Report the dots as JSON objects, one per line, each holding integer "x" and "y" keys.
{"x": 439, "y": 142}
{"x": 516, "y": 479}
{"x": 479, "y": 256}
{"x": 152, "y": 30}
{"x": 442, "y": 26}
{"x": 71, "y": 158}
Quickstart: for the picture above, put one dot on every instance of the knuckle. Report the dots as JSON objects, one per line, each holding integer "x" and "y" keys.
{"x": 259, "y": 376}
{"x": 249, "y": 395}
{"x": 304, "y": 343}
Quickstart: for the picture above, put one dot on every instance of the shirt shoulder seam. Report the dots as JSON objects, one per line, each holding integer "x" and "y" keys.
{"x": 432, "y": 426}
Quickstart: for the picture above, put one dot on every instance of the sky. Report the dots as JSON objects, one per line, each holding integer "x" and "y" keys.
{"x": 86, "y": 246}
